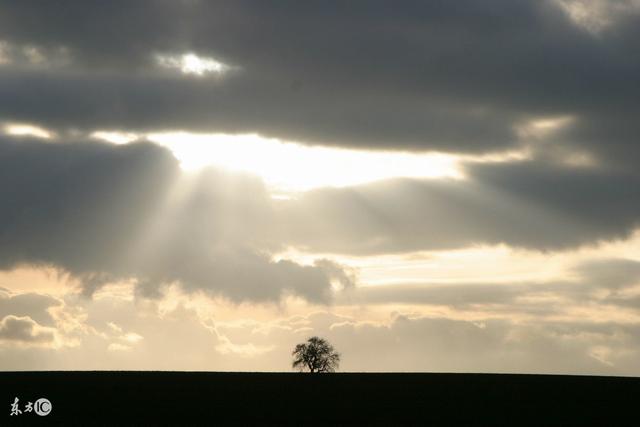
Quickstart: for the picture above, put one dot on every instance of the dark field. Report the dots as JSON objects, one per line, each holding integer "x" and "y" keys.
{"x": 184, "y": 398}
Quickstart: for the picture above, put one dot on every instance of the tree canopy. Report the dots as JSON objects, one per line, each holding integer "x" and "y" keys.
{"x": 315, "y": 356}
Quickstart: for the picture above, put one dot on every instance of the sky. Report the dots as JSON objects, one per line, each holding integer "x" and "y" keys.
{"x": 431, "y": 186}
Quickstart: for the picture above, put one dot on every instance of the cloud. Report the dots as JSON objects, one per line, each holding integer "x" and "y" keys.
{"x": 24, "y": 330}
{"x": 462, "y": 296}
{"x": 596, "y": 16}
{"x": 33, "y": 305}
{"x": 484, "y": 341}
{"x": 102, "y": 213}
{"x": 100, "y": 347}
{"x": 595, "y": 288}
{"x": 418, "y": 343}
{"x": 424, "y": 76}
{"x": 613, "y": 274}
{"x": 529, "y": 204}
{"x": 105, "y": 213}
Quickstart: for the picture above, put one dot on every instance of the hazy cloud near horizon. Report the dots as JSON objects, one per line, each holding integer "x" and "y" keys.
{"x": 111, "y": 333}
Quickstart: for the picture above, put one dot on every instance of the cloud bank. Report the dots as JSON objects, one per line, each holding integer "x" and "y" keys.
{"x": 460, "y": 77}
{"x": 105, "y": 213}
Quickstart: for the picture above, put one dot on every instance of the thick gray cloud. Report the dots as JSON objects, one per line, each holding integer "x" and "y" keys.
{"x": 74, "y": 203}
{"x": 449, "y": 76}
{"x": 610, "y": 135}
{"x": 102, "y": 212}
{"x": 530, "y": 204}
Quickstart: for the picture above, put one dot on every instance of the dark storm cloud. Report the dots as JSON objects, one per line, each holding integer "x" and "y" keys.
{"x": 102, "y": 212}
{"x": 528, "y": 204}
{"x": 452, "y": 76}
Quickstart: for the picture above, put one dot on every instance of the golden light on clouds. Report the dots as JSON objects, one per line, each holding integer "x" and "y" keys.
{"x": 290, "y": 167}
{"x": 477, "y": 264}
{"x": 115, "y": 137}
{"x": 26, "y": 129}
{"x": 543, "y": 126}
{"x": 36, "y": 279}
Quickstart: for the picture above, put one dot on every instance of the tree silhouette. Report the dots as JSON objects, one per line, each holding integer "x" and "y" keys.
{"x": 316, "y": 355}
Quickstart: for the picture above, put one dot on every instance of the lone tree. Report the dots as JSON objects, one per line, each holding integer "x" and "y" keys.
{"x": 316, "y": 355}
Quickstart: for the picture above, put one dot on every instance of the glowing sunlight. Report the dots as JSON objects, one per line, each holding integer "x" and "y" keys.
{"x": 292, "y": 167}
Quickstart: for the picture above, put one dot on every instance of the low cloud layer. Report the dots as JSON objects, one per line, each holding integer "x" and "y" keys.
{"x": 511, "y": 327}
{"x": 143, "y": 337}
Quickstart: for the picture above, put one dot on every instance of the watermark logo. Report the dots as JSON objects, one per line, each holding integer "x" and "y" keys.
{"x": 42, "y": 407}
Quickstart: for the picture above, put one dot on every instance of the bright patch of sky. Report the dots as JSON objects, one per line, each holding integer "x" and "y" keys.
{"x": 287, "y": 166}
{"x": 190, "y": 63}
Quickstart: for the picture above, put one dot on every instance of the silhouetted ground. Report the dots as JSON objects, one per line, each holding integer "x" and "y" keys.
{"x": 186, "y": 398}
